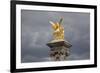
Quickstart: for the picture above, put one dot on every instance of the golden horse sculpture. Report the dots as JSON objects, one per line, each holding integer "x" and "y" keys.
{"x": 58, "y": 33}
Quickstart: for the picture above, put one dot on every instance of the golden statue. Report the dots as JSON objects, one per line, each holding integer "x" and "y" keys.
{"x": 58, "y": 33}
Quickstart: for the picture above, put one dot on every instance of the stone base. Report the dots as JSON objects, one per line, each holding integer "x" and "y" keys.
{"x": 58, "y": 43}
{"x": 59, "y": 49}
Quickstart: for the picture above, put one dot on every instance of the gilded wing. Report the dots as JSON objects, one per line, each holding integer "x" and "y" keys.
{"x": 54, "y": 26}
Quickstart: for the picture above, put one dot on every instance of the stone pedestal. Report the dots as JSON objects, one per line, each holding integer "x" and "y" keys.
{"x": 59, "y": 50}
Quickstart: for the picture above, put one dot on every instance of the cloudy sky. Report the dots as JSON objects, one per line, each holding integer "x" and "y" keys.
{"x": 36, "y": 32}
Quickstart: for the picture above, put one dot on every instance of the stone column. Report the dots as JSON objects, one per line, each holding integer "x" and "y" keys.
{"x": 59, "y": 50}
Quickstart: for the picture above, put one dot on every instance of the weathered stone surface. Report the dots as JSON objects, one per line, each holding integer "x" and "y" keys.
{"x": 59, "y": 50}
{"x": 59, "y": 43}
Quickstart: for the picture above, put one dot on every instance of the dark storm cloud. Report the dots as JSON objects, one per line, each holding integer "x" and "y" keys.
{"x": 37, "y": 31}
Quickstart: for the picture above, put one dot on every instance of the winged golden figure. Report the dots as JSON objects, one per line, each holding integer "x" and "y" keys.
{"x": 58, "y": 33}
